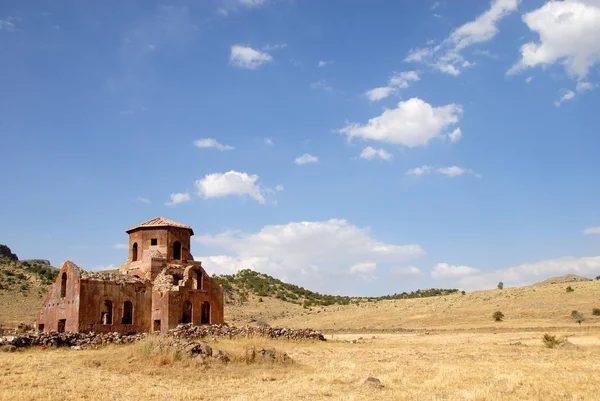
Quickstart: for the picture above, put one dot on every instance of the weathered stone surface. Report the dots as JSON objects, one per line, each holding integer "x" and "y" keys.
{"x": 223, "y": 330}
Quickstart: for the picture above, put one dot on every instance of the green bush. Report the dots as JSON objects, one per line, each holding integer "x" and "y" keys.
{"x": 596, "y": 311}
{"x": 498, "y": 316}
{"x": 570, "y": 289}
{"x": 577, "y": 316}
{"x": 551, "y": 341}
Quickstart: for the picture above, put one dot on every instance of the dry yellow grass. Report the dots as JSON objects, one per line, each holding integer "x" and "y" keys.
{"x": 443, "y": 366}
{"x": 524, "y": 307}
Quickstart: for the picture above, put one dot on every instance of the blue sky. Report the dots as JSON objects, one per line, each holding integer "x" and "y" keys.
{"x": 353, "y": 147}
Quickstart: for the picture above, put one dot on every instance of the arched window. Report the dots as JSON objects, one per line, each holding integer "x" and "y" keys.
{"x": 205, "y": 318}
{"x": 187, "y": 312}
{"x": 177, "y": 250}
{"x": 127, "y": 313}
{"x": 106, "y": 314}
{"x": 134, "y": 252}
{"x": 63, "y": 285}
{"x": 197, "y": 280}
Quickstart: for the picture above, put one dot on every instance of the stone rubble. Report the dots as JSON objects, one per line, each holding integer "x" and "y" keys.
{"x": 184, "y": 332}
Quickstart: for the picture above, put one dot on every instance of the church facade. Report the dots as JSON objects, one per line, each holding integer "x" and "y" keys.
{"x": 159, "y": 287}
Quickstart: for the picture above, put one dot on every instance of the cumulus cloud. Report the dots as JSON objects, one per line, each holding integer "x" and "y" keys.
{"x": 568, "y": 34}
{"x": 177, "y": 198}
{"x": 592, "y": 230}
{"x": 444, "y": 270}
{"x": 230, "y": 183}
{"x": 404, "y": 271}
{"x": 370, "y": 153}
{"x": 318, "y": 254}
{"x": 455, "y": 135}
{"x": 323, "y": 63}
{"x": 365, "y": 270}
{"x": 211, "y": 143}
{"x": 399, "y": 80}
{"x": 247, "y": 57}
{"x": 528, "y": 80}
{"x": 567, "y": 95}
{"x": 530, "y": 273}
{"x": 412, "y": 123}
{"x": 306, "y": 158}
{"x": 446, "y": 57}
{"x": 452, "y": 171}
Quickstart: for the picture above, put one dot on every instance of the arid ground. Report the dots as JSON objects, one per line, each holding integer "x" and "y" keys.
{"x": 440, "y": 348}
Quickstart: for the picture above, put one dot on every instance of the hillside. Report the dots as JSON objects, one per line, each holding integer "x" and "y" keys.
{"x": 23, "y": 287}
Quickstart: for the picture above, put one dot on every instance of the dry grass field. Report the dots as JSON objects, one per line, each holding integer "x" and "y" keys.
{"x": 440, "y": 348}
{"x": 443, "y": 366}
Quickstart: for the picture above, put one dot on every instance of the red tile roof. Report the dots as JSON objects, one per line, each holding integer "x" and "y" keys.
{"x": 159, "y": 222}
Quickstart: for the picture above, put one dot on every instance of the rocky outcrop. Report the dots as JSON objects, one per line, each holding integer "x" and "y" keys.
{"x": 223, "y": 330}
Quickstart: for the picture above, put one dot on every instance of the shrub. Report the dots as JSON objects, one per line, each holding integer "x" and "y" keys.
{"x": 463, "y": 292}
{"x": 596, "y": 311}
{"x": 498, "y": 316}
{"x": 551, "y": 341}
{"x": 577, "y": 316}
{"x": 260, "y": 299}
{"x": 597, "y": 277}
{"x": 500, "y": 285}
{"x": 262, "y": 323}
{"x": 570, "y": 289}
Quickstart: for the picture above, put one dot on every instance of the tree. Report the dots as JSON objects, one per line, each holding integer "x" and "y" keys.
{"x": 500, "y": 285}
{"x": 577, "y": 316}
{"x": 498, "y": 316}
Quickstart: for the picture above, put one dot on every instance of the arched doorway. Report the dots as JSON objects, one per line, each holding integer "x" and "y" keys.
{"x": 127, "y": 313}
{"x": 63, "y": 285}
{"x": 106, "y": 314}
{"x": 197, "y": 280}
{"x": 177, "y": 250}
{"x": 134, "y": 252}
{"x": 205, "y": 318}
{"x": 187, "y": 312}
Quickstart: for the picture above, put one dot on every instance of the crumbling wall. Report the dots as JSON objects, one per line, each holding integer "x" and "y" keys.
{"x": 96, "y": 291}
{"x": 58, "y": 309}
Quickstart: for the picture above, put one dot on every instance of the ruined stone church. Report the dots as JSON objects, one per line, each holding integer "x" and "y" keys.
{"x": 159, "y": 287}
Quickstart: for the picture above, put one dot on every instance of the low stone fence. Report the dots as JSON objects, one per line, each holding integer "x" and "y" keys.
{"x": 183, "y": 331}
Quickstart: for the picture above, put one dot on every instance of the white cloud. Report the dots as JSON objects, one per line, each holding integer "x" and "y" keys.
{"x": 365, "y": 270}
{"x": 121, "y": 246}
{"x": 376, "y": 94}
{"x": 405, "y": 271}
{"x": 592, "y": 230}
{"x": 568, "y": 34}
{"x": 211, "y": 143}
{"x": 531, "y": 273}
{"x": 274, "y": 47}
{"x": 106, "y": 267}
{"x": 317, "y": 254}
{"x": 230, "y": 183}
{"x": 322, "y": 84}
{"x": 444, "y": 270}
{"x": 583, "y": 86}
{"x": 247, "y": 57}
{"x": 399, "y": 80}
{"x": 452, "y": 171}
{"x": 370, "y": 152}
{"x": 455, "y": 135}
{"x": 142, "y": 200}
{"x": 322, "y": 63}
{"x": 279, "y": 188}
{"x": 413, "y": 123}
{"x": 252, "y": 3}
{"x": 528, "y": 80}
{"x": 568, "y": 95}
{"x": 306, "y": 158}
{"x": 8, "y": 24}
{"x": 446, "y": 56}
{"x": 268, "y": 141}
{"x": 177, "y": 198}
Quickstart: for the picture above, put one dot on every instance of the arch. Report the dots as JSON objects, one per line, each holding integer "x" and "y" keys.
{"x": 187, "y": 312}
{"x": 197, "y": 280}
{"x": 134, "y": 252}
{"x": 177, "y": 250}
{"x": 127, "y": 313}
{"x": 63, "y": 285}
{"x": 205, "y": 318}
{"x": 107, "y": 312}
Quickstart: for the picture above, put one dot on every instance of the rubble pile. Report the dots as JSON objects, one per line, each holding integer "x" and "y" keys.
{"x": 78, "y": 340}
{"x": 182, "y": 332}
{"x": 223, "y": 330}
